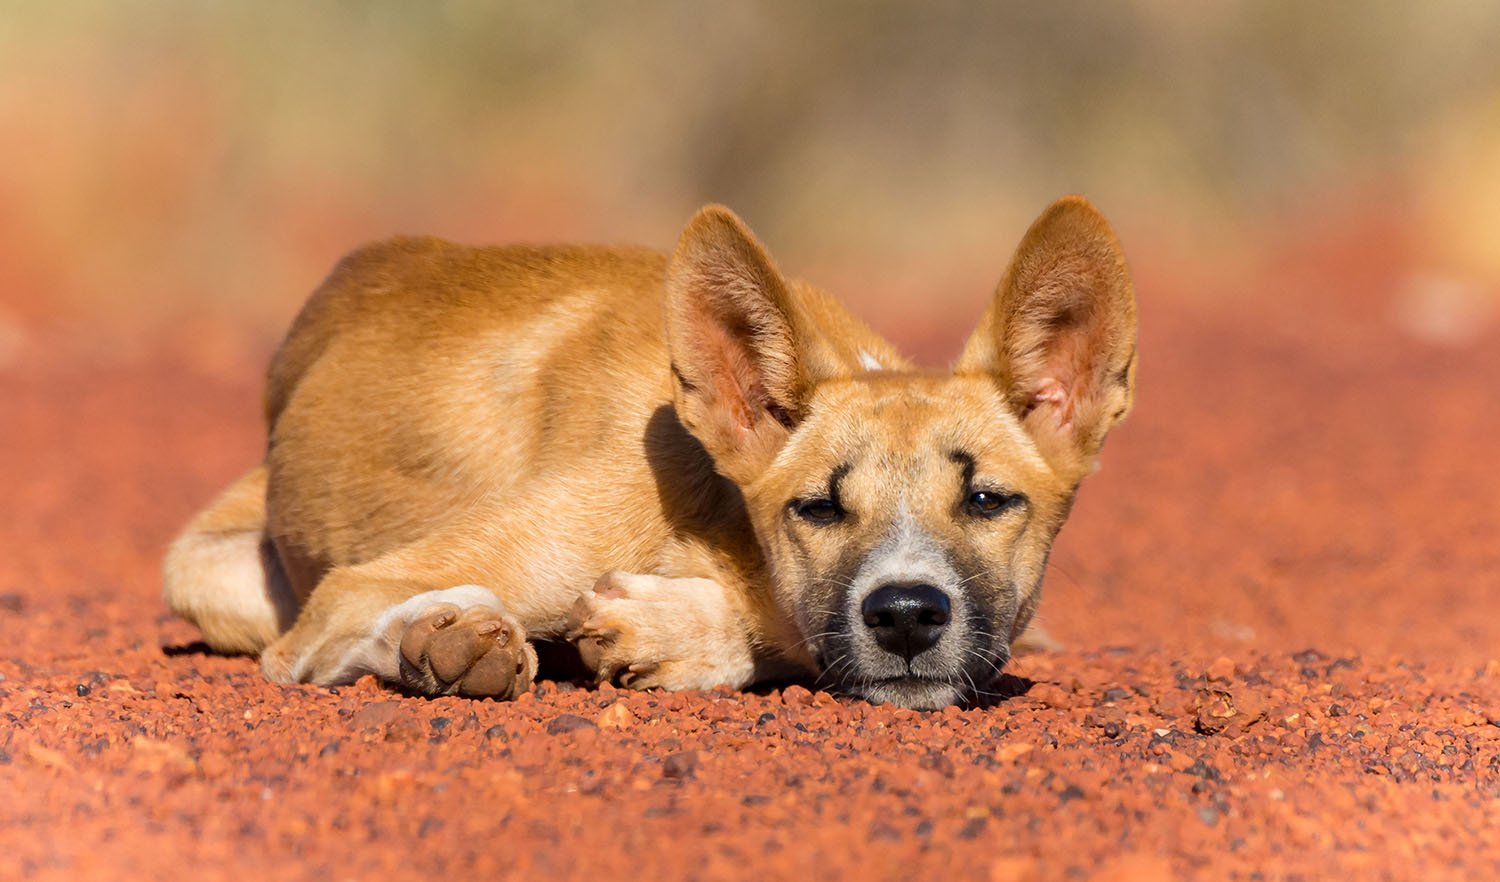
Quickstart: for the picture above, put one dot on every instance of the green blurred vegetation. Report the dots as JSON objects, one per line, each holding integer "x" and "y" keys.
{"x": 168, "y": 157}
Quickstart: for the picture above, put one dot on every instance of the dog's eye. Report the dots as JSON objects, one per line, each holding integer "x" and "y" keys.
{"x": 818, "y": 511}
{"x": 988, "y": 503}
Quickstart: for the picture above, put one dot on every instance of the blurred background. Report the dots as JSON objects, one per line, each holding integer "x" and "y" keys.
{"x": 1308, "y": 193}
{"x": 206, "y": 163}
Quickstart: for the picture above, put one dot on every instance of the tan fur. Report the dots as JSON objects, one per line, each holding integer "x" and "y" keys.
{"x": 222, "y": 573}
{"x": 473, "y": 447}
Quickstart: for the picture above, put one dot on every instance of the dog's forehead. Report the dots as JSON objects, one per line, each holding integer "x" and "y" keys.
{"x": 913, "y": 417}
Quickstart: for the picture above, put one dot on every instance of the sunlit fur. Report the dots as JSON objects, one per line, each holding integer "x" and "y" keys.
{"x": 611, "y": 442}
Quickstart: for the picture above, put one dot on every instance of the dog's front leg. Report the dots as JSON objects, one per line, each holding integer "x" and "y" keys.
{"x": 381, "y": 619}
{"x": 643, "y": 631}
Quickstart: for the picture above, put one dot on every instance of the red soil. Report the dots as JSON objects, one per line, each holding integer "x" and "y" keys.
{"x": 1280, "y": 605}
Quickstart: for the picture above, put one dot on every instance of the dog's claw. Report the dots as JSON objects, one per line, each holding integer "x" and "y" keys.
{"x": 644, "y": 632}
{"x": 635, "y": 672}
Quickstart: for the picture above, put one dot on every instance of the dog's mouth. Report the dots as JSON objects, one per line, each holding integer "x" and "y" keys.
{"x": 921, "y": 690}
{"x": 918, "y": 691}
{"x": 913, "y": 691}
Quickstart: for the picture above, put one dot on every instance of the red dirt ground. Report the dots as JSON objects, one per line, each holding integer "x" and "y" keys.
{"x": 1280, "y": 605}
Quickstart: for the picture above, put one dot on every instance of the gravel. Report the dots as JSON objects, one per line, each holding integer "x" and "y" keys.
{"x": 1277, "y": 605}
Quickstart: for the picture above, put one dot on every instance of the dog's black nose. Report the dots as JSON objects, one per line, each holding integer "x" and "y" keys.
{"x": 906, "y": 619}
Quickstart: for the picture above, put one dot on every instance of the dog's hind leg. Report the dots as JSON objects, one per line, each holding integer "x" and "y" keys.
{"x": 222, "y": 572}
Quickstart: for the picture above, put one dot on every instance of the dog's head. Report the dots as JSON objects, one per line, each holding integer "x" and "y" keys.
{"x": 905, "y": 516}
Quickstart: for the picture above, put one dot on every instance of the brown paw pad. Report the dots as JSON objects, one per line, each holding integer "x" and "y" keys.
{"x": 476, "y": 652}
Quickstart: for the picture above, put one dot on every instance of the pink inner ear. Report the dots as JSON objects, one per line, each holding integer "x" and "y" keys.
{"x": 1064, "y": 370}
{"x": 736, "y": 390}
{"x": 1054, "y": 393}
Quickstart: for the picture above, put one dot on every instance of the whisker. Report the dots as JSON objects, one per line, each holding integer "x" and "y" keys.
{"x": 831, "y": 673}
{"x": 806, "y": 640}
{"x": 845, "y": 662}
{"x": 992, "y": 663}
{"x": 973, "y": 687}
{"x": 978, "y": 575}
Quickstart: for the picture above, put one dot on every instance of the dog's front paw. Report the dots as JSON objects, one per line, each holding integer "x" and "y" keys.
{"x": 644, "y": 632}
{"x": 476, "y": 651}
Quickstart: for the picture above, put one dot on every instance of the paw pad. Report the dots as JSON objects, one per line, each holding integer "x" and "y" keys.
{"x": 476, "y": 652}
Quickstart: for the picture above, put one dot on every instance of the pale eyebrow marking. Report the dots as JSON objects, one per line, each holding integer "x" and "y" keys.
{"x": 869, "y": 362}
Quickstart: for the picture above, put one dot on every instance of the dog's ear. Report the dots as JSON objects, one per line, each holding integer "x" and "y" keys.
{"x": 732, "y": 331}
{"x": 1059, "y": 338}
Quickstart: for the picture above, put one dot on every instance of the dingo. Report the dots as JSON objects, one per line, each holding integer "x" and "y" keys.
{"x": 699, "y": 471}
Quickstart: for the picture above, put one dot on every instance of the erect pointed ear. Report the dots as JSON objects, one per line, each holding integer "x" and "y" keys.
{"x": 732, "y": 329}
{"x": 1059, "y": 338}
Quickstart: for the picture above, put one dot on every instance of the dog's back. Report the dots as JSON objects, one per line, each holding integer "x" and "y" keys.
{"x": 426, "y": 383}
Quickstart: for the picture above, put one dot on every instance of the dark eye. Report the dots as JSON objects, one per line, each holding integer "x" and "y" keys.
{"x": 818, "y": 511}
{"x": 988, "y": 503}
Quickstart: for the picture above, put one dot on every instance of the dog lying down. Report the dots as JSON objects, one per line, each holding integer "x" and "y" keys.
{"x": 697, "y": 470}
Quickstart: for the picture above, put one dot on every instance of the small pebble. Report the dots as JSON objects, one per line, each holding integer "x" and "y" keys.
{"x": 680, "y": 765}
{"x": 569, "y": 723}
